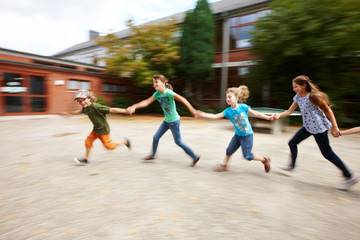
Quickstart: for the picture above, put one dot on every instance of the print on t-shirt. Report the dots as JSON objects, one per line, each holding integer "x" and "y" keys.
{"x": 241, "y": 122}
{"x": 165, "y": 104}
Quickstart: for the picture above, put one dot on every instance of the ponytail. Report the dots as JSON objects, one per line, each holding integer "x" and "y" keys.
{"x": 168, "y": 85}
{"x": 242, "y": 93}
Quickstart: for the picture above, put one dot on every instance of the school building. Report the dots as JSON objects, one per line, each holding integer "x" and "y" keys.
{"x": 33, "y": 84}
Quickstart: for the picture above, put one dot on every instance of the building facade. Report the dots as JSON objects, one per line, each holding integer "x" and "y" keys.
{"x": 33, "y": 84}
{"x": 235, "y": 20}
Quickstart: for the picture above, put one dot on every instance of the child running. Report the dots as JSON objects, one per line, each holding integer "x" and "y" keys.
{"x": 238, "y": 115}
{"x": 315, "y": 108}
{"x": 165, "y": 96}
{"x": 97, "y": 115}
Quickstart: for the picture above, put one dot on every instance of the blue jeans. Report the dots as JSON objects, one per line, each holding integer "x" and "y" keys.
{"x": 246, "y": 143}
{"x": 175, "y": 130}
{"x": 322, "y": 140}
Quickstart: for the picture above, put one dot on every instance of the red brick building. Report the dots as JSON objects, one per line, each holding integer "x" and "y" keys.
{"x": 235, "y": 20}
{"x": 34, "y": 84}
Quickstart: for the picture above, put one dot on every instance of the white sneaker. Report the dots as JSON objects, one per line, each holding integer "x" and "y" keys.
{"x": 288, "y": 167}
{"x": 348, "y": 182}
{"x": 82, "y": 161}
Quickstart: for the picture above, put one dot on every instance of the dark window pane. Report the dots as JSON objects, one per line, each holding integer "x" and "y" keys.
{"x": 239, "y": 37}
{"x": 13, "y": 83}
{"x": 13, "y": 104}
{"x": 38, "y": 104}
{"x": 37, "y": 85}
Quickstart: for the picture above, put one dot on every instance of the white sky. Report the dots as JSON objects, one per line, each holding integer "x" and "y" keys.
{"x": 46, "y": 27}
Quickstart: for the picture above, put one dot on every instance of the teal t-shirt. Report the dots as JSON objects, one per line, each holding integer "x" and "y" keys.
{"x": 168, "y": 105}
{"x": 97, "y": 115}
{"x": 240, "y": 119}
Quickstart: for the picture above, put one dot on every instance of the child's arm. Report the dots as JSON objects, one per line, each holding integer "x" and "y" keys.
{"x": 211, "y": 115}
{"x": 260, "y": 115}
{"x": 142, "y": 104}
{"x": 350, "y": 131}
{"x": 330, "y": 114}
{"x": 118, "y": 110}
{"x": 186, "y": 103}
{"x": 286, "y": 113}
{"x": 69, "y": 114}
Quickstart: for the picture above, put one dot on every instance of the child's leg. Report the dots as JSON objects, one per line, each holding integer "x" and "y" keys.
{"x": 175, "y": 130}
{"x": 156, "y": 138}
{"x": 322, "y": 140}
{"x": 246, "y": 147}
{"x": 232, "y": 147}
{"x": 105, "y": 139}
{"x": 301, "y": 135}
{"x": 223, "y": 167}
{"x": 89, "y": 143}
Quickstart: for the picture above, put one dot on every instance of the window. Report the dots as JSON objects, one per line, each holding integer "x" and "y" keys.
{"x": 84, "y": 85}
{"x": 243, "y": 71}
{"x": 38, "y": 104}
{"x": 108, "y": 87}
{"x": 245, "y": 19}
{"x": 13, "y": 83}
{"x": 77, "y": 84}
{"x": 241, "y": 28}
{"x": 240, "y": 37}
{"x": 37, "y": 85}
{"x": 13, "y": 104}
{"x": 219, "y": 35}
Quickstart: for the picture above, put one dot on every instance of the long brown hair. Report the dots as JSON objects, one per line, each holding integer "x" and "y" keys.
{"x": 164, "y": 80}
{"x": 316, "y": 96}
{"x": 242, "y": 92}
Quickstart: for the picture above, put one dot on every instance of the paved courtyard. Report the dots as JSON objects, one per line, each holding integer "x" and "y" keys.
{"x": 44, "y": 195}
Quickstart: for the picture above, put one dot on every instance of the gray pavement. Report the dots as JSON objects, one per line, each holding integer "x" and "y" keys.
{"x": 44, "y": 195}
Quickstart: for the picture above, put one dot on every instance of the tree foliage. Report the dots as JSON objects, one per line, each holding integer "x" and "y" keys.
{"x": 150, "y": 48}
{"x": 197, "y": 44}
{"x": 318, "y": 38}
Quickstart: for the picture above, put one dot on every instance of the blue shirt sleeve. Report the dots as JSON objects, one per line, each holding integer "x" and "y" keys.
{"x": 226, "y": 112}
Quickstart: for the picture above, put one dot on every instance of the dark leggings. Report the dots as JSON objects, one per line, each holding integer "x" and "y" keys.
{"x": 322, "y": 140}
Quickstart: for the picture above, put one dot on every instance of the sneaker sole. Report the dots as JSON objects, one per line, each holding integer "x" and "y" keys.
{"x": 78, "y": 162}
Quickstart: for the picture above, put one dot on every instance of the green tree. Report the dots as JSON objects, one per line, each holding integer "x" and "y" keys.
{"x": 318, "y": 38}
{"x": 149, "y": 49}
{"x": 197, "y": 46}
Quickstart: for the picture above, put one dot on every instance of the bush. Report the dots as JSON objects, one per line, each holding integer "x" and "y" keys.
{"x": 122, "y": 102}
{"x": 101, "y": 100}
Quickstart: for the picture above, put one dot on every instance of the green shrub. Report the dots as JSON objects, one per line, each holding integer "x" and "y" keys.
{"x": 122, "y": 102}
{"x": 101, "y": 100}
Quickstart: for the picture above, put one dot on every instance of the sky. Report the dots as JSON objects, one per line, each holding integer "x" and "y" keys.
{"x": 46, "y": 27}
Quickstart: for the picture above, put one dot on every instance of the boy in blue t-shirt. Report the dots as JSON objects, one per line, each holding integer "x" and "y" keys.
{"x": 238, "y": 115}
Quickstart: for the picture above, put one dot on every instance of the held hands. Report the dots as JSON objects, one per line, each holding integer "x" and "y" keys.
{"x": 275, "y": 116}
{"x": 272, "y": 118}
{"x": 335, "y": 132}
{"x": 197, "y": 114}
{"x": 130, "y": 110}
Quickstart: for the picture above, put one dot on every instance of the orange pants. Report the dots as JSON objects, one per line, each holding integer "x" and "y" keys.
{"x": 105, "y": 139}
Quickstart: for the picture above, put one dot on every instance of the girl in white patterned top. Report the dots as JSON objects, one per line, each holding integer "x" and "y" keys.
{"x": 318, "y": 118}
